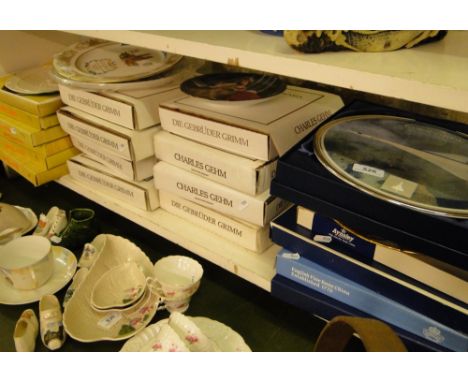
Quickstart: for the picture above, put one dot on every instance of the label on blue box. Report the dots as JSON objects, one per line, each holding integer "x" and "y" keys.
{"x": 318, "y": 278}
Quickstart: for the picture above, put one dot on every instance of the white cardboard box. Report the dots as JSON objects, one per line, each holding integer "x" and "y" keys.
{"x": 259, "y": 210}
{"x": 139, "y": 194}
{"x": 264, "y": 130}
{"x": 244, "y": 234}
{"x": 251, "y": 176}
{"x": 127, "y": 144}
{"x": 136, "y": 109}
{"x": 131, "y": 170}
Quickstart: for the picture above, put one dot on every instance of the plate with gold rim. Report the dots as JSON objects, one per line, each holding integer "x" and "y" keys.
{"x": 103, "y": 61}
{"x": 32, "y": 81}
{"x": 184, "y": 69}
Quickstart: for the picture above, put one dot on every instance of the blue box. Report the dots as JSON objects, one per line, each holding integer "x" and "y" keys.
{"x": 380, "y": 279}
{"x": 327, "y": 308}
{"x": 313, "y": 276}
{"x": 301, "y": 179}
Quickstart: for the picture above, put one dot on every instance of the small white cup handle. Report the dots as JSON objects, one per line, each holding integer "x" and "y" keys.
{"x": 154, "y": 286}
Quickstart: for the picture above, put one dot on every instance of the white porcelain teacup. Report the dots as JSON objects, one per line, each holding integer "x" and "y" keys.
{"x": 119, "y": 287}
{"x": 176, "y": 278}
{"x": 27, "y": 261}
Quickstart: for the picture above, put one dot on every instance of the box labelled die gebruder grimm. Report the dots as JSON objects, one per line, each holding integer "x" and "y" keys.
{"x": 246, "y": 235}
{"x": 301, "y": 179}
{"x": 111, "y": 139}
{"x": 135, "y": 109}
{"x": 131, "y": 170}
{"x": 251, "y": 176}
{"x": 264, "y": 130}
{"x": 94, "y": 175}
{"x": 258, "y": 210}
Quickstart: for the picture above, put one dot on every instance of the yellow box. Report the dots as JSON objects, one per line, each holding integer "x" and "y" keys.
{"x": 27, "y": 135}
{"x": 40, "y": 105}
{"x": 28, "y": 118}
{"x": 23, "y": 154}
{"x": 32, "y": 172}
{"x": 42, "y": 151}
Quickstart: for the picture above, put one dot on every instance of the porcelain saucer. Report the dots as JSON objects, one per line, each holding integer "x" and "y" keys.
{"x": 64, "y": 269}
{"x": 225, "y": 338}
{"x": 32, "y": 81}
{"x": 32, "y": 218}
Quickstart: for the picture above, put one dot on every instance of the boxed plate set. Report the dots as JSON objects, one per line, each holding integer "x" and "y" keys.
{"x": 376, "y": 277}
{"x": 399, "y": 176}
{"x": 247, "y": 114}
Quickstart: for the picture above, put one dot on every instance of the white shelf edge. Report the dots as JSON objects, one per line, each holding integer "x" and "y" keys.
{"x": 256, "y": 268}
{"x": 448, "y": 96}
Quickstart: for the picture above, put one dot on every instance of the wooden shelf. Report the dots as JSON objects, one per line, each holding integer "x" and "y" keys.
{"x": 434, "y": 74}
{"x": 256, "y": 268}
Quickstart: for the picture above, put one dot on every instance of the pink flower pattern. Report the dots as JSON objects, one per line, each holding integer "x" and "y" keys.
{"x": 191, "y": 338}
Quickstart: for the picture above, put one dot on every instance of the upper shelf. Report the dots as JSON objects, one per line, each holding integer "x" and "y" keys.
{"x": 434, "y": 74}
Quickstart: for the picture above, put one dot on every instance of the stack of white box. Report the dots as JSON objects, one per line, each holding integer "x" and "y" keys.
{"x": 217, "y": 161}
{"x": 114, "y": 131}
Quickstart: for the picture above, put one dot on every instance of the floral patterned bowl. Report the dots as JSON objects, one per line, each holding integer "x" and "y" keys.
{"x": 85, "y": 324}
{"x": 119, "y": 287}
{"x": 176, "y": 278}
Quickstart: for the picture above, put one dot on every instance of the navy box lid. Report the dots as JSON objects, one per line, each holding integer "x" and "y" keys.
{"x": 301, "y": 179}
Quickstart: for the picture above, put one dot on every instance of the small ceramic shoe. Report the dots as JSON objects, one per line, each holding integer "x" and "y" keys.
{"x": 26, "y": 331}
{"x": 81, "y": 229}
{"x": 52, "y": 223}
{"x": 58, "y": 225}
{"x": 50, "y": 318}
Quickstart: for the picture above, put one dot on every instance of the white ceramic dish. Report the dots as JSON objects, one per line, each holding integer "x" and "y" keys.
{"x": 85, "y": 324}
{"x": 222, "y": 335}
{"x": 119, "y": 287}
{"x": 102, "y": 61}
{"x": 32, "y": 81}
{"x": 32, "y": 218}
{"x": 64, "y": 269}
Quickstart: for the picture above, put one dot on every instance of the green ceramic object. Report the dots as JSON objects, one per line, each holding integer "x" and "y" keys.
{"x": 81, "y": 229}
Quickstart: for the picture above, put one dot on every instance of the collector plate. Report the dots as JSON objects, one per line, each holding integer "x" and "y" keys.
{"x": 181, "y": 70}
{"x": 403, "y": 161}
{"x": 234, "y": 88}
{"x": 32, "y": 81}
{"x": 102, "y": 61}
{"x": 64, "y": 269}
{"x": 225, "y": 338}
